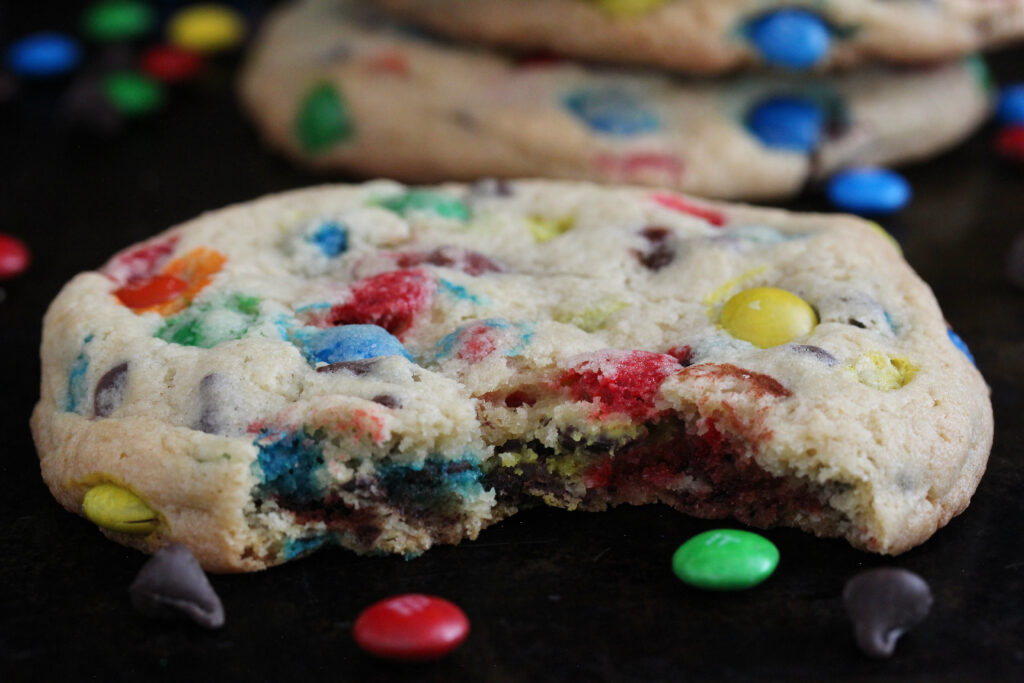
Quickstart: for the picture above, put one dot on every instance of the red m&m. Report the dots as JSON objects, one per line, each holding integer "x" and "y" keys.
{"x": 157, "y": 290}
{"x": 411, "y": 627}
{"x": 14, "y": 257}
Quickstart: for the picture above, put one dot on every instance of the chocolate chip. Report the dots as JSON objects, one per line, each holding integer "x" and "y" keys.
{"x": 816, "y": 351}
{"x": 883, "y": 604}
{"x": 110, "y": 390}
{"x": 210, "y": 395}
{"x": 388, "y": 401}
{"x": 492, "y": 187}
{"x": 1015, "y": 262}
{"x": 661, "y": 253}
{"x": 172, "y": 584}
{"x": 465, "y": 119}
{"x": 356, "y": 367}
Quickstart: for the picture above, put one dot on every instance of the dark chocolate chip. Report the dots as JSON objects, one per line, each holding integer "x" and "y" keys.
{"x": 388, "y": 401}
{"x": 657, "y": 258}
{"x": 465, "y": 119}
{"x": 356, "y": 367}
{"x": 883, "y": 604}
{"x": 816, "y": 351}
{"x": 656, "y": 233}
{"x": 172, "y": 584}
{"x": 110, "y": 390}
{"x": 1015, "y": 262}
{"x": 660, "y": 254}
{"x": 493, "y": 187}
{"x": 210, "y": 396}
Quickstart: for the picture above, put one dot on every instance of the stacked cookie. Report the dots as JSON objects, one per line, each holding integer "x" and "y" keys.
{"x": 342, "y": 84}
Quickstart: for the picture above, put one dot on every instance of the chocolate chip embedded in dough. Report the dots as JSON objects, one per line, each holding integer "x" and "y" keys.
{"x": 110, "y": 390}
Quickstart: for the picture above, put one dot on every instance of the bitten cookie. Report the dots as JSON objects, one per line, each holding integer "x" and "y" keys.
{"x": 715, "y": 36}
{"x": 335, "y": 87}
{"x": 387, "y": 368}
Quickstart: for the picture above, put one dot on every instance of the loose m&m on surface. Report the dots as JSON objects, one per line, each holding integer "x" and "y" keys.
{"x": 411, "y": 627}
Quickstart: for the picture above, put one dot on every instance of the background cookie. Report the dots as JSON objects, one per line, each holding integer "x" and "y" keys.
{"x": 386, "y": 368}
{"x": 335, "y": 88}
{"x": 714, "y": 36}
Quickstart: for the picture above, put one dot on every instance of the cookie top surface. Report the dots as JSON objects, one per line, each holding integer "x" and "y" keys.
{"x": 715, "y": 36}
{"x": 397, "y": 327}
{"x": 337, "y": 85}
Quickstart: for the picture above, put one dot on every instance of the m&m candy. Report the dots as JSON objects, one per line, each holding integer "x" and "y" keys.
{"x": 725, "y": 559}
{"x": 132, "y": 93}
{"x": 14, "y": 257}
{"x": 43, "y": 54}
{"x": 411, "y": 627}
{"x": 790, "y": 38}
{"x": 1010, "y": 143}
{"x": 157, "y": 290}
{"x": 1011, "y": 105}
{"x": 767, "y": 316}
{"x": 869, "y": 190}
{"x": 791, "y": 123}
{"x": 114, "y": 20}
{"x": 206, "y": 28}
{"x": 170, "y": 64}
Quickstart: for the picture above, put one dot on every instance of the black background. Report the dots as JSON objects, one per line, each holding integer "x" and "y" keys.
{"x": 551, "y": 595}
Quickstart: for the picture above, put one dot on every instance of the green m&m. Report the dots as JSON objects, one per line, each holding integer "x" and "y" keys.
{"x": 725, "y": 560}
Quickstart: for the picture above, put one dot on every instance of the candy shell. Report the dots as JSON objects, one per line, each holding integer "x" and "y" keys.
{"x": 207, "y": 28}
{"x": 415, "y": 201}
{"x": 1011, "y": 105}
{"x": 43, "y": 54}
{"x": 790, "y": 38}
{"x": 725, "y": 559}
{"x": 791, "y": 123}
{"x": 767, "y": 316}
{"x": 352, "y": 342}
{"x": 411, "y": 627}
{"x": 612, "y": 111}
{"x": 157, "y": 290}
{"x": 331, "y": 238}
{"x": 14, "y": 257}
{"x": 1010, "y": 143}
{"x": 170, "y": 64}
{"x": 960, "y": 344}
{"x": 627, "y": 7}
{"x": 323, "y": 119}
{"x": 869, "y": 190}
{"x": 118, "y": 509}
{"x": 118, "y": 20}
{"x": 131, "y": 93}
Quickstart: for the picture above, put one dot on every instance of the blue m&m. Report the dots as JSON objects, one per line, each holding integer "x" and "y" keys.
{"x": 792, "y": 123}
{"x": 352, "y": 342}
{"x": 960, "y": 344}
{"x": 612, "y": 111}
{"x": 43, "y": 54}
{"x": 1011, "y": 105}
{"x": 869, "y": 190}
{"x": 790, "y": 38}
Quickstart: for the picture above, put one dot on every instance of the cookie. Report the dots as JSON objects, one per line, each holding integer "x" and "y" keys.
{"x": 387, "y": 368}
{"x": 335, "y": 86}
{"x": 716, "y": 36}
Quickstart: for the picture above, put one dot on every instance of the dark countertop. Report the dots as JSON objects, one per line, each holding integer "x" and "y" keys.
{"x": 551, "y": 595}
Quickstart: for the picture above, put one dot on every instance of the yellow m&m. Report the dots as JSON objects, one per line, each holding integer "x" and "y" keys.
{"x": 767, "y": 316}
{"x": 206, "y": 28}
{"x": 118, "y": 509}
{"x": 628, "y": 6}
